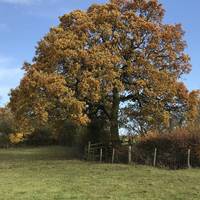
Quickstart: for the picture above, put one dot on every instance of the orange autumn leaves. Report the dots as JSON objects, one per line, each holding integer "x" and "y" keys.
{"x": 121, "y": 46}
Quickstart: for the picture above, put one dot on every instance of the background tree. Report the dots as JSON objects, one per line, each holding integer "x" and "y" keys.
{"x": 7, "y": 126}
{"x": 119, "y": 53}
{"x": 7, "y": 122}
{"x": 193, "y": 112}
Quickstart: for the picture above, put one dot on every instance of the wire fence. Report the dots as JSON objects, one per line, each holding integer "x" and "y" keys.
{"x": 179, "y": 159}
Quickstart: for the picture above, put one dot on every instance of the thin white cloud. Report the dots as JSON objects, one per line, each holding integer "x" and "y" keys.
{"x": 20, "y": 2}
{"x": 28, "y": 2}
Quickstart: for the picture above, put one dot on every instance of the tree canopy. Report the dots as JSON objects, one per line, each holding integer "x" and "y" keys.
{"x": 112, "y": 59}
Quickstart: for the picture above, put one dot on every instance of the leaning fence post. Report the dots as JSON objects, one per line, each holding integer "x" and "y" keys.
{"x": 129, "y": 154}
{"x": 113, "y": 155}
{"x": 101, "y": 154}
{"x": 188, "y": 158}
{"x": 154, "y": 157}
{"x": 88, "y": 150}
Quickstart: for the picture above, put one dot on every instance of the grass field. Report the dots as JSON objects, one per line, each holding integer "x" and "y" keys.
{"x": 48, "y": 173}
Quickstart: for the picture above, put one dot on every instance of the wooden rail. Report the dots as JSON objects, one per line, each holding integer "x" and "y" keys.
{"x": 104, "y": 152}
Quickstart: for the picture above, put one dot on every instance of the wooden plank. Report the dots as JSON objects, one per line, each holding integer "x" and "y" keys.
{"x": 113, "y": 155}
{"x": 88, "y": 151}
{"x": 188, "y": 159}
{"x": 96, "y": 144}
{"x": 129, "y": 154}
{"x": 101, "y": 154}
{"x": 155, "y": 157}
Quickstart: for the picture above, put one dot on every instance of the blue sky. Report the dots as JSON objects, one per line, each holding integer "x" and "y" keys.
{"x": 24, "y": 22}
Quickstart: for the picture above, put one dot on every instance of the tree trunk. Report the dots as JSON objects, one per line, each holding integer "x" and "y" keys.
{"x": 114, "y": 124}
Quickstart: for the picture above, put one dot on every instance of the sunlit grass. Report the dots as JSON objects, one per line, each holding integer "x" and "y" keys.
{"x": 46, "y": 173}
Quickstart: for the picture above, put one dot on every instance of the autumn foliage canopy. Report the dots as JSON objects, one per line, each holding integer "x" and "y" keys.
{"x": 119, "y": 61}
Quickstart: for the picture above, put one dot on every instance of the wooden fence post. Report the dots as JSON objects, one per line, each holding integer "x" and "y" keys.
{"x": 88, "y": 150}
{"x": 188, "y": 158}
{"x": 155, "y": 157}
{"x": 129, "y": 154}
{"x": 113, "y": 155}
{"x": 101, "y": 154}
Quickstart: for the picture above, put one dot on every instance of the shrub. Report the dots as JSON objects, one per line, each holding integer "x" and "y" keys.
{"x": 68, "y": 134}
{"x": 98, "y": 131}
{"x": 7, "y": 123}
{"x": 172, "y": 148}
{"x": 4, "y": 141}
{"x": 40, "y": 137}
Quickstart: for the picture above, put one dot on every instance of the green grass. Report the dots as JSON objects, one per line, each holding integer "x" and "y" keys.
{"x": 46, "y": 173}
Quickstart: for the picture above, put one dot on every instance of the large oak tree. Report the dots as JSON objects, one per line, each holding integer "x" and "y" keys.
{"x": 111, "y": 56}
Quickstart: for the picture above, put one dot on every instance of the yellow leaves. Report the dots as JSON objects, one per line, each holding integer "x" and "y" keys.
{"x": 166, "y": 118}
{"x": 90, "y": 87}
{"x": 141, "y": 83}
{"x": 78, "y": 22}
{"x": 181, "y": 90}
{"x": 77, "y": 113}
{"x": 122, "y": 45}
{"x": 107, "y": 13}
{"x": 16, "y": 138}
{"x": 186, "y": 58}
{"x": 81, "y": 119}
{"x": 194, "y": 107}
{"x": 39, "y": 109}
{"x": 42, "y": 96}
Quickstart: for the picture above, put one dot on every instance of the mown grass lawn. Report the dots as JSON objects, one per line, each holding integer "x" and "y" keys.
{"x": 47, "y": 173}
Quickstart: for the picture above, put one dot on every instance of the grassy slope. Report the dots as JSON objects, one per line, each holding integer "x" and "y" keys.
{"x": 45, "y": 174}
